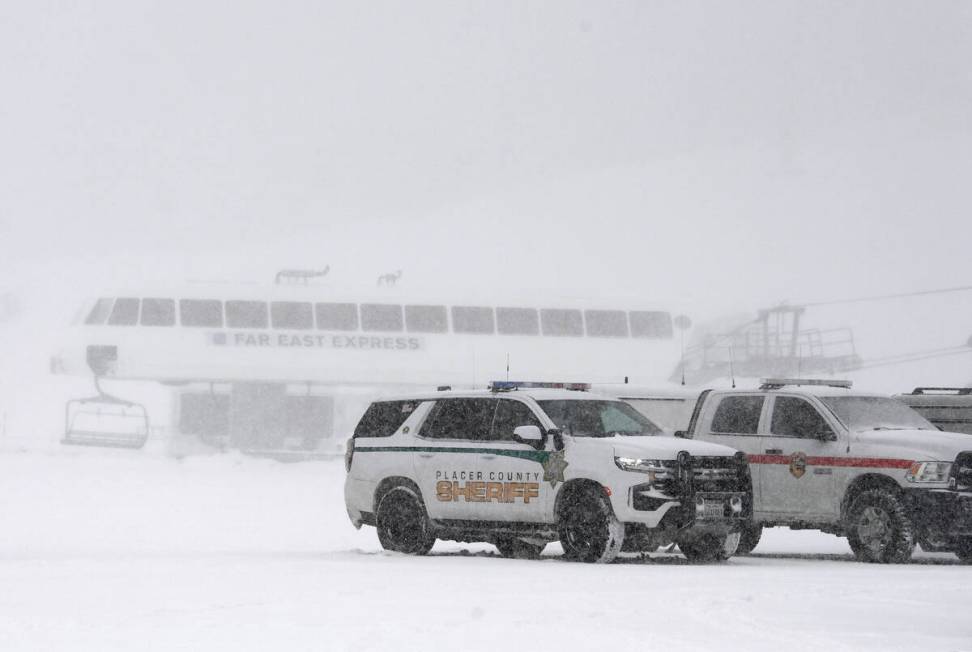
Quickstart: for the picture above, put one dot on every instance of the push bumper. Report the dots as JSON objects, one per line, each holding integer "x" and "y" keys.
{"x": 702, "y": 493}
{"x": 942, "y": 514}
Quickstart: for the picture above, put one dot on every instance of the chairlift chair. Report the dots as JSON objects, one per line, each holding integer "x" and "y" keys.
{"x": 105, "y": 420}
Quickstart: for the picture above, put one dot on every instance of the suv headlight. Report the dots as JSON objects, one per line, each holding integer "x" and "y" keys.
{"x": 929, "y": 472}
{"x": 656, "y": 469}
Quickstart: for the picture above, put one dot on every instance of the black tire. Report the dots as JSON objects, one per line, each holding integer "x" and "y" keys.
{"x": 710, "y": 547}
{"x": 749, "y": 537}
{"x": 514, "y": 548}
{"x": 402, "y": 522}
{"x": 879, "y": 529}
{"x": 588, "y": 529}
{"x": 964, "y": 550}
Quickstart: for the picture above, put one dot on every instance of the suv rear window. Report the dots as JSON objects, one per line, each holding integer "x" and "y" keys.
{"x": 382, "y": 419}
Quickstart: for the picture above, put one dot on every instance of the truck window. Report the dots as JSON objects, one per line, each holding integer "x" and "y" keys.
{"x": 738, "y": 415}
{"x": 795, "y": 417}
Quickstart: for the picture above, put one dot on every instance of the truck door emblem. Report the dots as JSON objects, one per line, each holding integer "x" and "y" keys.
{"x": 798, "y": 464}
{"x": 553, "y": 468}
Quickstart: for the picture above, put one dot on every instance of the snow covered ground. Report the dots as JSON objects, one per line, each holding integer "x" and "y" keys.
{"x": 118, "y": 550}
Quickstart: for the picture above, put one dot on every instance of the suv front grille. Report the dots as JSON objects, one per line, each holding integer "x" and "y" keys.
{"x": 719, "y": 474}
{"x": 962, "y": 472}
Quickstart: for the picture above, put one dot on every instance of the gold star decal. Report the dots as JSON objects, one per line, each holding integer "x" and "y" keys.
{"x": 553, "y": 468}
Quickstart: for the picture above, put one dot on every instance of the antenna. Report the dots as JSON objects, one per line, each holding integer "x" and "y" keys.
{"x": 732, "y": 372}
{"x": 682, "y": 323}
{"x": 682, "y": 336}
{"x": 507, "y": 365}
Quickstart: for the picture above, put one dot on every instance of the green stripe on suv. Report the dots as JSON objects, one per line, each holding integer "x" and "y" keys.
{"x": 535, "y": 456}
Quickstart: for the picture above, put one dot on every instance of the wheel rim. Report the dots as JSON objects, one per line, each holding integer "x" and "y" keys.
{"x": 874, "y": 528}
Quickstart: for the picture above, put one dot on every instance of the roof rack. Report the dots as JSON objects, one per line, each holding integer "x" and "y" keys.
{"x": 959, "y": 391}
{"x": 777, "y": 383}
{"x": 510, "y": 385}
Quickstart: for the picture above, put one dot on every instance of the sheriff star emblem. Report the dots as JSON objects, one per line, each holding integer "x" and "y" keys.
{"x": 553, "y": 468}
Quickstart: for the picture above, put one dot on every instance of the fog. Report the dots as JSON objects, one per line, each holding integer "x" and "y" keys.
{"x": 707, "y": 158}
{"x": 743, "y": 154}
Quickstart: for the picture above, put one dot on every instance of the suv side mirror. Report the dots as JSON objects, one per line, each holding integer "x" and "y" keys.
{"x": 529, "y": 435}
{"x": 681, "y": 434}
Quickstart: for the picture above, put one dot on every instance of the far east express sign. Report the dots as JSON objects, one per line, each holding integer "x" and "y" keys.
{"x": 251, "y": 339}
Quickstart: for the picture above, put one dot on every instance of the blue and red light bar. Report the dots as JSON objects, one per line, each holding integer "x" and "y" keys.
{"x": 510, "y": 385}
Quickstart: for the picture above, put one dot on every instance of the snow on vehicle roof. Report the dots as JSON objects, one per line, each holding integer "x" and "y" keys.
{"x": 812, "y": 390}
{"x": 535, "y": 393}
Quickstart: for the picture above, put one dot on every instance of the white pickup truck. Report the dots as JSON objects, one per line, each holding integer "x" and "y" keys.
{"x": 859, "y": 465}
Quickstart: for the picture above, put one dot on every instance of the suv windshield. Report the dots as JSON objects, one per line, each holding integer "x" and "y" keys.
{"x": 598, "y": 418}
{"x": 875, "y": 413}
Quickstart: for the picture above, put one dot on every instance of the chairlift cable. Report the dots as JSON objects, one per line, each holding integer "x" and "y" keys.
{"x": 881, "y": 297}
{"x": 904, "y": 360}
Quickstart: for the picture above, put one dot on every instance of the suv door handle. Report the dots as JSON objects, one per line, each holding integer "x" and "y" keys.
{"x": 774, "y": 451}
{"x": 426, "y": 454}
{"x": 488, "y": 457}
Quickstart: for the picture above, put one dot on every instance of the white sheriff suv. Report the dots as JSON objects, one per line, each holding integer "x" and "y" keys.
{"x": 855, "y": 464}
{"x": 524, "y": 464}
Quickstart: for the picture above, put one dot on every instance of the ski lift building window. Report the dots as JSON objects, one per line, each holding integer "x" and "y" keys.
{"x": 336, "y": 316}
{"x": 158, "y": 312}
{"x": 650, "y": 324}
{"x": 381, "y": 317}
{"x": 291, "y": 314}
{"x": 473, "y": 319}
{"x": 202, "y": 313}
{"x": 246, "y": 314}
{"x": 562, "y": 323}
{"x": 606, "y": 323}
{"x": 426, "y": 319}
{"x": 124, "y": 313}
{"x": 99, "y": 313}
{"x": 517, "y": 321}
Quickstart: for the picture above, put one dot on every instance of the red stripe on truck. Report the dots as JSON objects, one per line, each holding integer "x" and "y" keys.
{"x": 859, "y": 462}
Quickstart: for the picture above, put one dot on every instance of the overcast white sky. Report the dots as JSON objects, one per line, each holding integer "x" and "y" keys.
{"x": 736, "y": 153}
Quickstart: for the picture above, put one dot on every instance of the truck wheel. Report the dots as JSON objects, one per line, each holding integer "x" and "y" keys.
{"x": 589, "y": 531}
{"x": 964, "y": 550}
{"x": 879, "y": 529}
{"x": 749, "y": 537}
{"x": 710, "y": 547}
{"x": 514, "y": 548}
{"x": 402, "y": 523}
